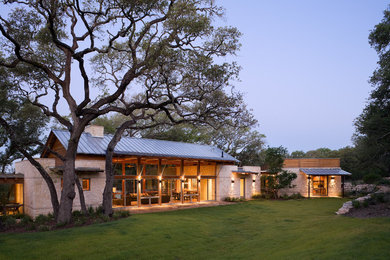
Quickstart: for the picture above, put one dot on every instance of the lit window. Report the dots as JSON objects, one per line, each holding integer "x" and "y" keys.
{"x": 86, "y": 184}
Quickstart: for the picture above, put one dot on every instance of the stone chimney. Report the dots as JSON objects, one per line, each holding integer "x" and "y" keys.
{"x": 95, "y": 130}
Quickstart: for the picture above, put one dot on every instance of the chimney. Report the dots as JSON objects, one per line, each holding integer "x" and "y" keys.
{"x": 95, "y": 130}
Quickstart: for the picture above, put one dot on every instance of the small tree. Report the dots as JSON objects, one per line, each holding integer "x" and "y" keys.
{"x": 277, "y": 178}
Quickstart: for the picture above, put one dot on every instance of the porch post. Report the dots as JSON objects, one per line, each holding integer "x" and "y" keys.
{"x": 198, "y": 179}
{"x": 182, "y": 181}
{"x": 308, "y": 186}
{"x": 159, "y": 181}
{"x": 342, "y": 185}
{"x": 138, "y": 181}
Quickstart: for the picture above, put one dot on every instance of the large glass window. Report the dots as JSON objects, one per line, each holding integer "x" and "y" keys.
{"x": 118, "y": 193}
{"x": 117, "y": 168}
{"x": 207, "y": 189}
{"x": 170, "y": 170}
{"x": 170, "y": 191}
{"x": 130, "y": 169}
{"x": 131, "y": 192}
{"x": 151, "y": 169}
{"x": 208, "y": 170}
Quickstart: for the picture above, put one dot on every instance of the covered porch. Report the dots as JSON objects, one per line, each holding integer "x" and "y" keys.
{"x": 151, "y": 181}
{"x": 322, "y": 181}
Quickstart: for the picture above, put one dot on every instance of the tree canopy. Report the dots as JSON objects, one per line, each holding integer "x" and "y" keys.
{"x": 372, "y": 138}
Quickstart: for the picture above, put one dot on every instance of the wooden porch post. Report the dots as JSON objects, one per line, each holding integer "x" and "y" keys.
{"x": 159, "y": 181}
{"x": 198, "y": 179}
{"x": 342, "y": 185}
{"x": 182, "y": 181}
{"x": 308, "y": 186}
{"x": 138, "y": 181}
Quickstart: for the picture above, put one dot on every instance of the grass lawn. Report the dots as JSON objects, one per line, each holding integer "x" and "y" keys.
{"x": 305, "y": 229}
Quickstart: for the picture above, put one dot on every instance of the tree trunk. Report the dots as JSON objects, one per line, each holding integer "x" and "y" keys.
{"x": 107, "y": 193}
{"x": 49, "y": 182}
{"x": 81, "y": 195}
{"x": 68, "y": 192}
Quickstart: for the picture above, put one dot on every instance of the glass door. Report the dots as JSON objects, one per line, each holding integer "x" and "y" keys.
{"x": 242, "y": 188}
{"x": 320, "y": 185}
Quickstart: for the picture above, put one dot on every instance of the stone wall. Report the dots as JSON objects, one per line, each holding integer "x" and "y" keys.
{"x": 36, "y": 193}
{"x": 225, "y": 187}
{"x": 300, "y": 185}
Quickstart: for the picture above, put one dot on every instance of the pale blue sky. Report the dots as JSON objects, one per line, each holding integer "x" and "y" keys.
{"x": 305, "y": 66}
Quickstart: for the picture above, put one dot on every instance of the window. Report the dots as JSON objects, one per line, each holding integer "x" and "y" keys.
{"x": 86, "y": 184}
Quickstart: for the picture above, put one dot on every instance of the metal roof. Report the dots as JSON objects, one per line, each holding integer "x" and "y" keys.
{"x": 89, "y": 144}
{"x": 325, "y": 171}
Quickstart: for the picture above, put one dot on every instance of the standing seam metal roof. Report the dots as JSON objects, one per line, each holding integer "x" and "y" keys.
{"x": 325, "y": 171}
{"x": 89, "y": 144}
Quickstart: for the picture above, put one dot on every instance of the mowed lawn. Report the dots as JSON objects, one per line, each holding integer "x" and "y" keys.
{"x": 304, "y": 229}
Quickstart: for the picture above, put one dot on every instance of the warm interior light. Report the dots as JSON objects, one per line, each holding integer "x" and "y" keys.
{"x": 113, "y": 189}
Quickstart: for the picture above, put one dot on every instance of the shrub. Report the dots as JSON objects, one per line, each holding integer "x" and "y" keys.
{"x": 121, "y": 214}
{"x": 296, "y": 196}
{"x": 356, "y": 204}
{"x": 372, "y": 178}
{"x": 30, "y": 227}
{"x": 61, "y": 224}
{"x": 42, "y": 219}
{"x": 384, "y": 182}
{"x": 105, "y": 218}
{"x": 26, "y": 220}
{"x": 99, "y": 210}
{"x": 284, "y": 196}
{"x": 77, "y": 213}
{"x": 366, "y": 203}
{"x": 257, "y": 196}
{"x": 233, "y": 199}
{"x": 91, "y": 210}
{"x": 43, "y": 228}
{"x": 9, "y": 221}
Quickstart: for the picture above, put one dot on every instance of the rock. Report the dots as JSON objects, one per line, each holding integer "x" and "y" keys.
{"x": 347, "y": 206}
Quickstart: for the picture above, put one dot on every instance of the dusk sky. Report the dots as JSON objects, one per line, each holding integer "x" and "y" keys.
{"x": 305, "y": 67}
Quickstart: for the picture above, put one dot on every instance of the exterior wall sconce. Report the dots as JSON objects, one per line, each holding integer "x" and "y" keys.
{"x": 160, "y": 181}
{"x": 308, "y": 177}
{"x": 232, "y": 181}
{"x": 199, "y": 180}
{"x": 332, "y": 177}
{"x": 253, "y": 181}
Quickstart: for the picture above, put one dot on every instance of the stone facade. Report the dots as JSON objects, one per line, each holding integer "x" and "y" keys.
{"x": 300, "y": 185}
{"x": 36, "y": 193}
{"x": 226, "y": 188}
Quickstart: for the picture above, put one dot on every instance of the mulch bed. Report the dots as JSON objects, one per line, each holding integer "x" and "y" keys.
{"x": 372, "y": 211}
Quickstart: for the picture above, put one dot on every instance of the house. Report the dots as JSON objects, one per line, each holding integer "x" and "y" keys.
{"x": 316, "y": 177}
{"x": 147, "y": 172}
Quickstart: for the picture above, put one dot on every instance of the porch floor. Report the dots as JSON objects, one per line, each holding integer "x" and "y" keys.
{"x": 171, "y": 207}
